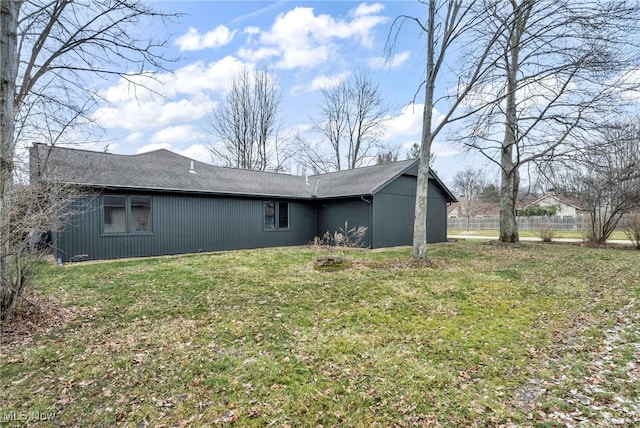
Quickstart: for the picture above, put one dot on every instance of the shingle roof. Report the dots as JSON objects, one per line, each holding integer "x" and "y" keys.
{"x": 359, "y": 181}
{"x": 168, "y": 171}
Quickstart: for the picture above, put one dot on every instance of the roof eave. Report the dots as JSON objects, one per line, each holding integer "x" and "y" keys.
{"x": 189, "y": 191}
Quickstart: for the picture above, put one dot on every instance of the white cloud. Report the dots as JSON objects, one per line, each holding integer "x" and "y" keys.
{"x": 185, "y": 110}
{"x": 198, "y": 152}
{"x": 135, "y": 116}
{"x": 442, "y": 150}
{"x": 630, "y": 78}
{"x": 302, "y": 39}
{"x": 168, "y": 98}
{"x": 139, "y": 87}
{"x": 154, "y": 146}
{"x": 256, "y": 55}
{"x": 321, "y": 82}
{"x": 396, "y": 61}
{"x": 134, "y": 137}
{"x": 407, "y": 123}
{"x": 193, "y": 40}
{"x": 197, "y": 77}
{"x": 176, "y": 134}
{"x": 367, "y": 9}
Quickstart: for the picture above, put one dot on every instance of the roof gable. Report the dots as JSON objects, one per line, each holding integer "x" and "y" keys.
{"x": 359, "y": 181}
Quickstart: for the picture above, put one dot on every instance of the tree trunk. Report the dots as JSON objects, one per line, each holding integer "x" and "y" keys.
{"x": 510, "y": 176}
{"x": 420, "y": 218}
{"x": 422, "y": 185}
{"x": 8, "y": 75}
{"x": 508, "y": 198}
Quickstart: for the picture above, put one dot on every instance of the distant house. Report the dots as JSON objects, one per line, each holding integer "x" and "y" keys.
{"x": 565, "y": 207}
{"x": 471, "y": 208}
{"x": 160, "y": 203}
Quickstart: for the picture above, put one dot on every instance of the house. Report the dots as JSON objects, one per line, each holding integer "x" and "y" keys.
{"x": 472, "y": 208}
{"x": 565, "y": 207}
{"x": 160, "y": 203}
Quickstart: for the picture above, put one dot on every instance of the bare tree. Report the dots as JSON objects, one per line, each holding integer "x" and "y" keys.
{"x": 351, "y": 119}
{"x": 469, "y": 183}
{"x": 559, "y": 66}
{"x": 51, "y": 52}
{"x": 386, "y": 157}
{"x": 605, "y": 178}
{"x": 447, "y": 23}
{"x": 246, "y": 122}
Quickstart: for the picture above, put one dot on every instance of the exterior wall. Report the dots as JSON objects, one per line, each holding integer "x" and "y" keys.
{"x": 183, "y": 224}
{"x": 394, "y": 211}
{"x": 198, "y": 223}
{"x": 333, "y": 214}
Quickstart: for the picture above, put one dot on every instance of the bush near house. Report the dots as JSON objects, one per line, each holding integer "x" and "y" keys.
{"x": 538, "y": 210}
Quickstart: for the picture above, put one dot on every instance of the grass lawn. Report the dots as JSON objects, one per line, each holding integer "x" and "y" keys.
{"x": 574, "y": 234}
{"x": 486, "y": 335}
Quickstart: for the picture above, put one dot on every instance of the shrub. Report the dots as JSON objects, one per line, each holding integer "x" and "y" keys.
{"x": 546, "y": 232}
{"x": 537, "y": 210}
{"x": 344, "y": 237}
{"x": 633, "y": 230}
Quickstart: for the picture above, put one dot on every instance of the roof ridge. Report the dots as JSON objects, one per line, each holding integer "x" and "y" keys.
{"x": 360, "y": 168}
{"x": 169, "y": 152}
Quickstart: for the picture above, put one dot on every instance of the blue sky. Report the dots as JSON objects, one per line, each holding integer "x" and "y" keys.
{"x": 306, "y": 44}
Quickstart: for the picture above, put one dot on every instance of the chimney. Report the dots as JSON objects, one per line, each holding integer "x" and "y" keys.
{"x": 191, "y": 169}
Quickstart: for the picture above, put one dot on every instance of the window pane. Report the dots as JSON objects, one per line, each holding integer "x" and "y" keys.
{"x": 140, "y": 214}
{"x": 283, "y": 215}
{"x": 114, "y": 214}
{"x": 269, "y": 215}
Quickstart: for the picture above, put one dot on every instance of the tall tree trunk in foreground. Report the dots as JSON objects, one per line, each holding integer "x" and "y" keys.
{"x": 447, "y": 22}
{"x": 8, "y": 74}
{"x": 510, "y": 178}
{"x": 422, "y": 186}
{"x": 560, "y": 69}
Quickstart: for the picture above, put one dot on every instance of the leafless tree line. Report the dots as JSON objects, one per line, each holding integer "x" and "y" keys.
{"x": 535, "y": 78}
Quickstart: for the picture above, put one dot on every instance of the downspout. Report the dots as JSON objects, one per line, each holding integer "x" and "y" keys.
{"x": 314, "y": 195}
{"x": 370, "y": 222}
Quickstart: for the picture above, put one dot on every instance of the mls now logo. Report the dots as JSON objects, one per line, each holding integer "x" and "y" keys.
{"x": 24, "y": 416}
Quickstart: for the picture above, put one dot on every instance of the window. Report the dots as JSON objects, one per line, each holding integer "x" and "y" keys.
{"x": 126, "y": 214}
{"x": 114, "y": 214}
{"x": 276, "y": 215}
{"x": 140, "y": 214}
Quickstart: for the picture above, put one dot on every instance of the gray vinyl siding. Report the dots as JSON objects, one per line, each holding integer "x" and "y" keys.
{"x": 394, "y": 211}
{"x": 183, "y": 224}
{"x": 332, "y": 215}
{"x": 436, "y": 214}
{"x": 190, "y": 223}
